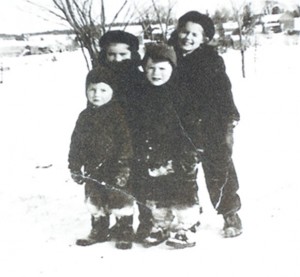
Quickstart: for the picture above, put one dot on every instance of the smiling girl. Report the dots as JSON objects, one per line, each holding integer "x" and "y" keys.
{"x": 206, "y": 108}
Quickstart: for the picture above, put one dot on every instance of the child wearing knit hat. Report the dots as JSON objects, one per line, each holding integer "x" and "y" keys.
{"x": 164, "y": 157}
{"x": 206, "y": 92}
{"x": 99, "y": 157}
{"x": 118, "y": 46}
{"x": 119, "y": 54}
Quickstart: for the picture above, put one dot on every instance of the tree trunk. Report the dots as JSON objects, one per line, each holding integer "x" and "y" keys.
{"x": 243, "y": 63}
{"x": 242, "y": 54}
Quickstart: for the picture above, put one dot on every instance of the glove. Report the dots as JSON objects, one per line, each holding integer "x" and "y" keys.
{"x": 77, "y": 177}
{"x": 122, "y": 177}
{"x": 161, "y": 170}
{"x": 189, "y": 161}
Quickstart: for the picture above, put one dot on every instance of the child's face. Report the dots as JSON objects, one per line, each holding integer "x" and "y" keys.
{"x": 117, "y": 52}
{"x": 99, "y": 94}
{"x": 158, "y": 73}
{"x": 190, "y": 37}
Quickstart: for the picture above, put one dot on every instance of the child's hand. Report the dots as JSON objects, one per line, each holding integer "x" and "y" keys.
{"x": 162, "y": 170}
{"x": 122, "y": 178}
{"x": 77, "y": 177}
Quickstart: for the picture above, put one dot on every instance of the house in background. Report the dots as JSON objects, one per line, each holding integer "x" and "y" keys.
{"x": 33, "y": 44}
{"x": 277, "y": 23}
{"x": 288, "y": 22}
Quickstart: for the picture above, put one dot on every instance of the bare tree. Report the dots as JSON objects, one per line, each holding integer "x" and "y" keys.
{"x": 243, "y": 16}
{"x": 220, "y": 17}
{"x": 159, "y": 14}
{"x": 163, "y": 15}
{"x": 87, "y": 18}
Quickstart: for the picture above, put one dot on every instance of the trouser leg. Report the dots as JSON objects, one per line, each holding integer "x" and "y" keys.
{"x": 220, "y": 175}
{"x": 145, "y": 222}
{"x": 222, "y": 185}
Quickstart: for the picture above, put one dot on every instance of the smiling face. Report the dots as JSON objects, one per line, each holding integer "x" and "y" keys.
{"x": 190, "y": 36}
{"x": 158, "y": 72}
{"x": 117, "y": 52}
{"x": 99, "y": 94}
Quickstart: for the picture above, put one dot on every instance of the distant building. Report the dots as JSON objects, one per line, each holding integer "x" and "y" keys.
{"x": 278, "y": 22}
{"x": 37, "y": 44}
{"x": 229, "y": 27}
{"x": 287, "y": 21}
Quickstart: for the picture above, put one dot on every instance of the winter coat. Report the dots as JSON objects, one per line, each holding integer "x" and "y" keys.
{"x": 100, "y": 144}
{"x": 205, "y": 96}
{"x": 158, "y": 138}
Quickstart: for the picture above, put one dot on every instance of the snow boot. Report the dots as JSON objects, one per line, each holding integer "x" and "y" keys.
{"x": 99, "y": 232}
{"x": 124, "y": 233}
{"x": 232, "y": 226}
{"x": 143, "y": 231}
{"x": 182, "y": 239}
{"x": 145, "y": 226}
{"x": 156, "y": 236}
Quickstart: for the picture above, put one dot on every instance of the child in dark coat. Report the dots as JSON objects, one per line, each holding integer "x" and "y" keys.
{"x": 164, "y": 161}
{"x": 208, "y": 113}
{"x": 120, "y": 55}
{"x": 99, "y": 157}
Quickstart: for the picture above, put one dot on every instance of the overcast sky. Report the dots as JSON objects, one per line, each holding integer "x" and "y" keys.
{"x": 16, "y": 16}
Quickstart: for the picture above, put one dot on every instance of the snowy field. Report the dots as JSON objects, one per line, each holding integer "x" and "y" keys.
{"x": 42, "y": 210}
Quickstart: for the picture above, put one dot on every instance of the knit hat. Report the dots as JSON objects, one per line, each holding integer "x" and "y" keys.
{"x": 201, "y": 19}
{"x": 160, "y": 52}
{"x": 119, "y": 37}
{"x": 100, "y": 74}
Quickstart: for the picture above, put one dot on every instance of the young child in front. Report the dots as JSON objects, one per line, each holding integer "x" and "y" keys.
{"x": 120, "y": 55}
{"x": 208, "y": 113}
{"x": 99, "y": 157}
{"x": 165, "y": 161}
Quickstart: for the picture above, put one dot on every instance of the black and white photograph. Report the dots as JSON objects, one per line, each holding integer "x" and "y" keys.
{"x": 150, "y": 138}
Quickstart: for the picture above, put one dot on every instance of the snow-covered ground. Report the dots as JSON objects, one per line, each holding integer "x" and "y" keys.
{"x": 42, "y": 210}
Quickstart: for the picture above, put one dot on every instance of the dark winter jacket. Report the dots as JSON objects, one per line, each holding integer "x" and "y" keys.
{"x": 205, "y": 95}
{"x": 100, "y": 144}
{"x": 158, "y": 137}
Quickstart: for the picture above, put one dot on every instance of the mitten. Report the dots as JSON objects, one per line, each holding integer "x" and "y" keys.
{"x": 161, "y": 170}
{"x": 122, "y": 177}
{"x": 77, "y": 177}
{"x": 189, "y": 161}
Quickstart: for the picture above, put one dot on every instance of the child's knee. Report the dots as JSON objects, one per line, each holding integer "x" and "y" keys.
{"x": 162, "y": 216}
{"x": 124, "y": 211}
{"x": 95, "y": 210}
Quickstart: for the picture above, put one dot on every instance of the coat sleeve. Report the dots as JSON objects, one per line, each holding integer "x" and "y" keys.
{"x": 77, "y": 146}
{"x": 219, "y": 90}
{"x": 123, "y": 141}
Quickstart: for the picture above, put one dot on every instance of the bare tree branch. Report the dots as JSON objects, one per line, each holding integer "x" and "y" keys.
{"x": 128, "y": 18}
{"x": 119, "y": 11}
{"x": 45, "y": 9}
{"x": 158, "y": 15}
